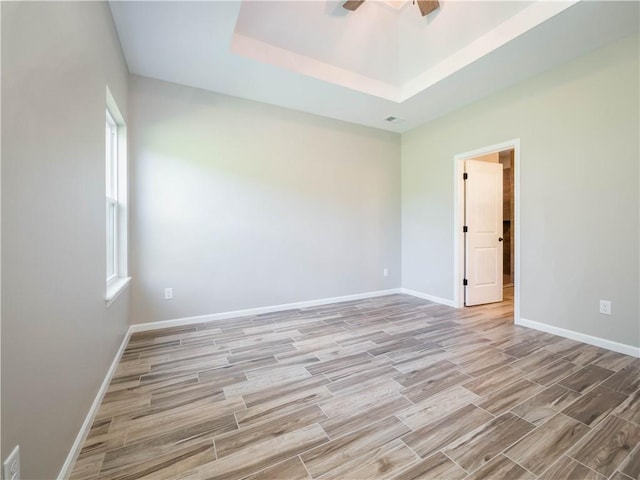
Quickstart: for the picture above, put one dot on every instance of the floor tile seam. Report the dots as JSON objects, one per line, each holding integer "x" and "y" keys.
{"x": 353, "y": 461}
{"x": 632, "y": 451}
{"x": 241, "y": 371}
{"x": 622, "y": 474}
{"x": 541, "y": 388}
{"x": 324, "y": 387}
{"x": 542, "y": 384}
{"x": 124, "y": 438}
{"x": 564, "y": 357}
{"x": 516, "y": 440}
{"x": 235, "y": 419}
{"x": 266, "y": 440}
{"x": 327, "y": 440}
{"x": 469, "y": 367}
{"x": 476, "y": 430}
{"x": 419, "y": 458}
{"x": 517, "y": 462}
{"x": 402, "y": 468}
{"x": 329, "y": 437}
{"x": 400, "y": 387}
{"x": 95, "y": 475}
{"x": 480, "y": 397}
{"x": 515, "y": 357}
{"x": 588, "y": 389}
{"x": 581, "y": 397}
{"x": 580, "y": 443}
{"x": 242, "y": 429}
{"x": 115, "y": 382}
{"x": 359, "y": 372}
{"x": 215, "y": 449}
{"x": 492, "y": 390}
{"x": 452, "y": 460}
{"x": 614, "y": 390}
{"x": 176, "y": 428}
{"x": 352, "y": 431}
{"x": 395, "y": 415}
{"x": 185, "y": 338}
{"x": 472, "y": 434}
{"x": 535, "y": 370}
{"x": 522, "y": 418}
{"x": 260, "y": 422}
{"x": 591, "y": 427}
{"x": 587, "y": 466}
{"x": 617, "y": 415}
{"x": 441, "y": 375}
{"x": 409, "y": 400}
{"x": 304, "y": 465}
{"x": 493, "y": 416}
{"x": 507, "y": 386}
{"x": 323, "y": 411}
{"x": 186, "y": 368}
{"x": 407, "y": 386}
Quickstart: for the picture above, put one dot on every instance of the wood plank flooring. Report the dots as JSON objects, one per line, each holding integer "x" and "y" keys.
{"x": 393, "y": 387}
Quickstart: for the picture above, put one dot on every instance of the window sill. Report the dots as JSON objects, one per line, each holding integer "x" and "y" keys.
{"x": 115, "y": 289}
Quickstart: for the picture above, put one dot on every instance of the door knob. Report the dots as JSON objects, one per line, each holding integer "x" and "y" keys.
{"x": 500, "y": 239}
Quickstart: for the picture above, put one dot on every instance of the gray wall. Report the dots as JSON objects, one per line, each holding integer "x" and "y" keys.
{"x": 58, "y": 338}
{"x": 237, "y": 204}
{"x": 578, "y": 126}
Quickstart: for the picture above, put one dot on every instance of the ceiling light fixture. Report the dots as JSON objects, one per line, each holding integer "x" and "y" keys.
{"x": 425, "y": 6}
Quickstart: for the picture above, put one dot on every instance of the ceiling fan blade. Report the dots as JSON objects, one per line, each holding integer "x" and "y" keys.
{"x": 427, "y": 6}
{"x": 352, "y": 4}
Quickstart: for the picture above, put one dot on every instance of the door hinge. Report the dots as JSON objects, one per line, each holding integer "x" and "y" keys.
{"x": 464, "y": 282}
{"x": 465, "y": 229}
{"x": 465, "y": 176}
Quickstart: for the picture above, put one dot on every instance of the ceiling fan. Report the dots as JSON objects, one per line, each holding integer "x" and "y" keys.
{"x": 425, "y": 6}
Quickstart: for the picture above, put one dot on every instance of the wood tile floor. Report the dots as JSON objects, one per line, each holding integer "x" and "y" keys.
{"x": 393, "y": 387}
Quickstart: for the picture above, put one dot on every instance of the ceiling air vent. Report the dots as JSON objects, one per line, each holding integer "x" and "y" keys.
{"x": 392, "y": 119}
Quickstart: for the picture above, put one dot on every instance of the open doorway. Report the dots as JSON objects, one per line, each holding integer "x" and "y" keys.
{"x": 486, "y": 238}
{"x": 508, "y": 261}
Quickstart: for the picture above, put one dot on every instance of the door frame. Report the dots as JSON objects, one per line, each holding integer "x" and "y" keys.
{"x": 458, "y": 222}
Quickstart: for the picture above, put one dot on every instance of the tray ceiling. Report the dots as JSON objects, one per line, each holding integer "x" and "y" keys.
{"x": 366, "y": 65}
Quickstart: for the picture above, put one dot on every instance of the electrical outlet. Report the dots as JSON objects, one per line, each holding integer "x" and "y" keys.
{"x": 168, "y": 293}
{"x": 385, "y": 272}
{"x": 11, "y": 466}
{"x": 605, "y": 307}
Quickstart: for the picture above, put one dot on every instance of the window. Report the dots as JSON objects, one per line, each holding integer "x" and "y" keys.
{"x": 111, "y": 142}
{"x": 116, "y": 206}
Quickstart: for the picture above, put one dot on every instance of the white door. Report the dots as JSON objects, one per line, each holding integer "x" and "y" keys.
{"x": 483, "y": 240}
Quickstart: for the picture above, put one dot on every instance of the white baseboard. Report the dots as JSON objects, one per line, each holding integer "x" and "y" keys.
{"x": 581, "y": 337}
{"x": 179, "y": 322}
{"x": 65, "y": 471}
{"x": 426, "y": 296}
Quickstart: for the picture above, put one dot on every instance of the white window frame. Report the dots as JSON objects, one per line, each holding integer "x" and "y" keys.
{"x": 116, "y": 194}
{"x": 111, "y": 144}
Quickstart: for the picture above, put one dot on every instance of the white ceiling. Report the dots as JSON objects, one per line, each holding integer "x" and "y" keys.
{"x": 362, "y": 66}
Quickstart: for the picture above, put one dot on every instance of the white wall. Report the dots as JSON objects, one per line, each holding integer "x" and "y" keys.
{"x": 237, "y": 204}
{"x": 58, "y": 337}
{"x": 578, "y": 126}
